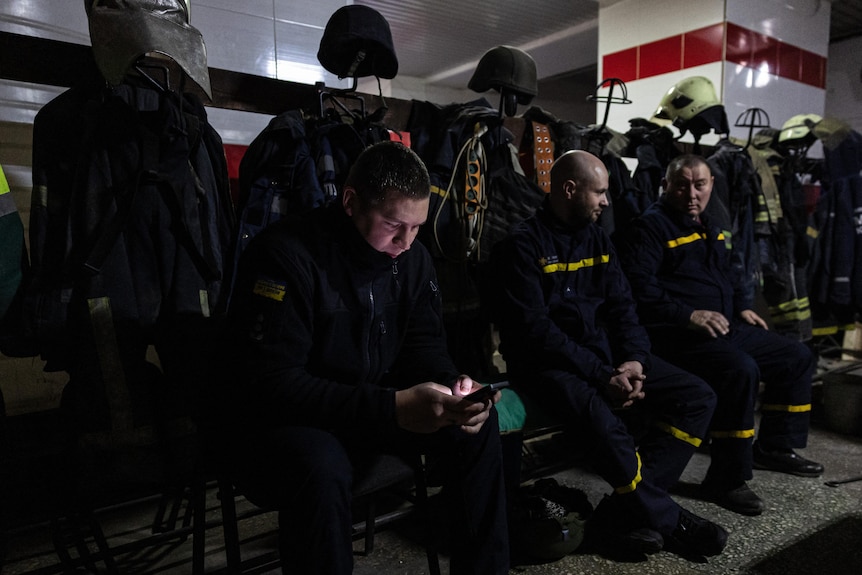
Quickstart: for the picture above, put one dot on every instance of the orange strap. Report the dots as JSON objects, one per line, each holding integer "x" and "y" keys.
{"x": 543, "y": 155}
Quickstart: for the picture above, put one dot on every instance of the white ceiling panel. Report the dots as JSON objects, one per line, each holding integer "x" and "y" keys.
{"x": 444, "y": 39}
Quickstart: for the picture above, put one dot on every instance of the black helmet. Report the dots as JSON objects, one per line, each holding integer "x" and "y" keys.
{"x": 506, "y": 68}
{"x": 356, "y": 43}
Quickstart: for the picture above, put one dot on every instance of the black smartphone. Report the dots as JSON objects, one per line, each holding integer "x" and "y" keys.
{"x": 487, "y": 391}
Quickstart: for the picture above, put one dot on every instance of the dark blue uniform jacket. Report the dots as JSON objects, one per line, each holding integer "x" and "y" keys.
{"x": 323, "y": 328}
{"x": 678, "y": 265}
{"x": 566, "y": 304}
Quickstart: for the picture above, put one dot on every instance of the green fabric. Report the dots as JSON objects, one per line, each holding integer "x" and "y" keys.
{"x": 511, "y": 412}
{"x": 517, "y": 413}
{"x": 537, "y": 418}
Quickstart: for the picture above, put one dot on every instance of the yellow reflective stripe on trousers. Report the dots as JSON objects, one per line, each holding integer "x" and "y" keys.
{"x": 634, "y": 484}
{"x": 738, "y": 434}
{"x": 789, "y": 408}
{"x": 574, "y": 266}
{"x": 679, "y": 433}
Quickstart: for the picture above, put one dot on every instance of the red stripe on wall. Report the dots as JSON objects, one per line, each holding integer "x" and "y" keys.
{"x": 622, "y": 65}
{"x": 706, "y": 45}
{"x": 703, "y": 46}
{"x": 660, "y": 57}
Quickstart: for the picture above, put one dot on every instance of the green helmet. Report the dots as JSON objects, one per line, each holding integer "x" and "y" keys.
{"x": 798, "y": 127}
{"x": 686, "y": 99}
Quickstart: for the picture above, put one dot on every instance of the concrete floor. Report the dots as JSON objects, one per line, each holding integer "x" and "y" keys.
{"x": 796, "y": 508}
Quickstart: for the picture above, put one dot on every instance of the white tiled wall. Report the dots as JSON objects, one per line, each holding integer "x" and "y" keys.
{"x": 802, "y": 23}
{"x": 269, "y": 38}
{"x": 64, "y": 20}
{"x": 635, "y": 22}
{"x": 844, "y": 82}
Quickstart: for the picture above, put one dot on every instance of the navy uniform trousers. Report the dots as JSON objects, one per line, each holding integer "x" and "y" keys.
{"x": 735, "y": 365}
{"x": 640, "y": 466}
{"x": 307, "y": 475}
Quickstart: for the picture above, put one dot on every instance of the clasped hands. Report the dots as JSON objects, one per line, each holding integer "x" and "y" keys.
{"x": 626, "y": 385}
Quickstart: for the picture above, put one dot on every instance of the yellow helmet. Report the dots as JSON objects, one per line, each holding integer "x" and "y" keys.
{"x": 798, "y": 127}
{"x": 686, "y": 99}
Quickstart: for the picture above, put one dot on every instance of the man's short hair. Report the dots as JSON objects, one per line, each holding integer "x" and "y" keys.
{"x": 388, "y": 167}
{"x": 685, "y": 161}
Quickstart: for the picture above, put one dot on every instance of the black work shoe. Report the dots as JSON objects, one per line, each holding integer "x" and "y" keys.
{"x": 625, "y": 547}
{"x": 611, "y": 533}
{"x": 696, "y": 537}
{"x": 643, "y": 540}
{"x": 740, "y": 500}
{"x": 785, "y": 461}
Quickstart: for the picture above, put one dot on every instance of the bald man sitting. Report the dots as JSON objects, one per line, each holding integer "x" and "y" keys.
{"x": 573, "y": 343}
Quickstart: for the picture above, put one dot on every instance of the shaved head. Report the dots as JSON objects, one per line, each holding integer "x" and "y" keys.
{"x": 579, "y": 185}
{"x": 576, "y": 165}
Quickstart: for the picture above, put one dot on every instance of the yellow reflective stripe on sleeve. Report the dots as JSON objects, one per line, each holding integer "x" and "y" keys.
{"x": 686, "y": 240}
{"x": 738, "y": 434}
{"x": 792, "y": 310}
{"x": 575, "y": 266}
{"x": 678, "y": 433}
{"x": 788, "y": 408}
{"x": 4, "y": 183}
{"x": 634, "y": 484}
{"x": 439, "y": 191}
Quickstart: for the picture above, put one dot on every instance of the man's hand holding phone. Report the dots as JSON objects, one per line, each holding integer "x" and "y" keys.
{"x": 487, "y": 391}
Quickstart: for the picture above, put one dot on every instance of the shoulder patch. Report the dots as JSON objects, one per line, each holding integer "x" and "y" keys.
{"x": 271, "y": 289}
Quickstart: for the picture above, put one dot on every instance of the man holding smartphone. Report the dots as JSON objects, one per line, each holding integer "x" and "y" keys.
{"x": 571, "y": 340}
{"x": 335, "y": 351}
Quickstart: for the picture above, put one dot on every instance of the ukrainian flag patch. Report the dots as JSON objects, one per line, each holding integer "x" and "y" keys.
{"x": 268, "y": 288}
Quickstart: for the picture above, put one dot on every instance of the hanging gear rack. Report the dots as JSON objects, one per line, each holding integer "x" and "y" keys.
{"x": 333, "y": 96}
{"x": 752, "y": 118}
{"x": 600, "y": 133}
{"x": 610, "y": 98}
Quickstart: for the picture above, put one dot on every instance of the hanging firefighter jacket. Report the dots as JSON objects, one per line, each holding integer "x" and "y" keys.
{"x": 297, "y": 163}
{"x": 732, "y": 207}
{"x": 784, "y": 288}
{"x": 654, "y": 147}
{"x": 836, "y": 270}
{"x": 478, "y": 192}
{"x": 456, "y": 153}
{"x": 131, "y": 227}
{"x": 277, "y": 177}
{"x": 799, "y": 217}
